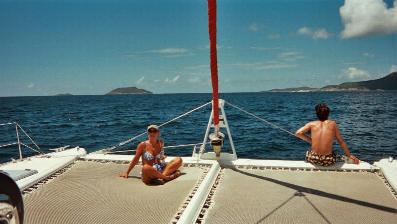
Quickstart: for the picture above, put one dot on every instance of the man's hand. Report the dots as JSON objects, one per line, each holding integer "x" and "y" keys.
{"x": 354, "y": 159}
{"x": 124, "y": 174}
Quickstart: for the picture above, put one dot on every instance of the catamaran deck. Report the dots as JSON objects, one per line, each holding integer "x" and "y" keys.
{"x": 92, "y": 192}
{"x": 79, "y": 188}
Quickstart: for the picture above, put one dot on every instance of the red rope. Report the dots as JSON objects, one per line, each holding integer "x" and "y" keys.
{"x": 213, "y": 55}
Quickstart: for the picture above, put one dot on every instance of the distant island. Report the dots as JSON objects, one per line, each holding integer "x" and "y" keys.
{"x": 128, "y": 90}
{"x": 388, "y": 82}
{"x": 64, "y": 94}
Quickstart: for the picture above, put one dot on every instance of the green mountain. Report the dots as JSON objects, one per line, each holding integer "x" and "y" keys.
{"x": 128, "y": 90}
{"x": 388, "y": 82}
{"x": 297, "y": 89}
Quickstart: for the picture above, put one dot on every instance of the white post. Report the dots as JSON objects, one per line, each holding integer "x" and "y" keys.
{"x": 228, "y": 132}
{"x": 226, "y": 126}
{"x": 19, "y": 142}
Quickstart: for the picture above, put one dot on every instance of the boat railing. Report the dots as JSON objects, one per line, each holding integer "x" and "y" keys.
{"x": 194, "y": 145}
{"x": 19, "y": 130}
{"x": 197, "y": 147}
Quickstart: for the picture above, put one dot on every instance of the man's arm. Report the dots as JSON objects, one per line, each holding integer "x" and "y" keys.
{"x": 343, "y": 145}
{"x": 134, "y": 161}
{"x": 301, "y": 133}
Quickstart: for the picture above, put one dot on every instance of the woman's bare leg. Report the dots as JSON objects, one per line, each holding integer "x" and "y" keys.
{"x": 172, "y": 166}
{"x": 149, "y": 174}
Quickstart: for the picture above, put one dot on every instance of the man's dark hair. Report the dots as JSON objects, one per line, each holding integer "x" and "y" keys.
{"x": 322, "y": 111}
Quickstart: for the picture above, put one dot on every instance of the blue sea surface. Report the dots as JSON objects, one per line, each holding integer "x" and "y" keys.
{"x": 368, "y": 121}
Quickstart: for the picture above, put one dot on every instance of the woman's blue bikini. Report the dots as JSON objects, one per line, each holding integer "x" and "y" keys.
{"x": 158, "y": 160}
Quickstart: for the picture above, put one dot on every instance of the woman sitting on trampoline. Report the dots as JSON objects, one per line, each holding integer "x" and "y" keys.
{"x": 154, "y": 167}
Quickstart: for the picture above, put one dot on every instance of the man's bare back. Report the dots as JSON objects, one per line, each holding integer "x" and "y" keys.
{"x": 322, "y": 134}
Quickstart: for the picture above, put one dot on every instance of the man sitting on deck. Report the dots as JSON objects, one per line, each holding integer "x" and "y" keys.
{"x": 322, "y": 135}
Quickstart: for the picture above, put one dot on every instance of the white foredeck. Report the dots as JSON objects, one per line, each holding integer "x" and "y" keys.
{"x": 127, "y": 158}
{"x": 389, "y": 170}
{"x": 302, "y": 164}
{"x": 246, "y": 162}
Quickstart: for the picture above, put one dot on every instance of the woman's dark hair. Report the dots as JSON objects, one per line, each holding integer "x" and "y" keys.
{"x": 322, "y": 111}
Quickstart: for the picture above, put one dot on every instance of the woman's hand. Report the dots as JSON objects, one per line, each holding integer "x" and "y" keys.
{"x": 124, "y": 174}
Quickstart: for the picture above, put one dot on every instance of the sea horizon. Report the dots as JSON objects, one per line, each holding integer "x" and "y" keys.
{"x": 242, "y": 92}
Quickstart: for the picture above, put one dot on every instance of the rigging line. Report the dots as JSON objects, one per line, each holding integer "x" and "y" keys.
{"x": 261, "y": 119}
{"x": 7, "y": 145}
{"x": 165, "y": 123}
{"x": 34, "y": 143}
{"x": 4, "y": 124}
{"x": 31, "y": 148}
{"x": 128, "y": 150}
{"x": 165, "y": 147}
{"x": 183, "y": 145}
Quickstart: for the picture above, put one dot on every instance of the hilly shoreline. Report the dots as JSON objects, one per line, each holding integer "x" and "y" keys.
{"x": 388, "y": 82}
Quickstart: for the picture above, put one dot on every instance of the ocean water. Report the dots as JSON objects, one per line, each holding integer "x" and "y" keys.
{"x": 368, "y": 121}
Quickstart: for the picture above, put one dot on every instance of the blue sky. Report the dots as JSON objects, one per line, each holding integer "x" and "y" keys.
{"x": 91, "y": 47}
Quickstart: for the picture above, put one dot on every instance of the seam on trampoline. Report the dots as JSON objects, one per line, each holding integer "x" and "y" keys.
{"x": 209, "y": 201}
{"x": 323, "y": 169}
{"x": 194, "y": 164}
{"x": 191, "y": 194}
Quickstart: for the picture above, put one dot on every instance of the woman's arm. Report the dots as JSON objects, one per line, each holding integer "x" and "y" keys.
{"x": 161, "y": 142}
{"x": 134, "y": 161}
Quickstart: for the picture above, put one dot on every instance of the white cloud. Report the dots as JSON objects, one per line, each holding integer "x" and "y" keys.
{"x": 172, "y": 80}
{"x": 368, "y": 55}
{"x": 267, "y": 65}
{"x": 283, "y": 60}
{"x": 305, "y": 31}
{"x": 197, "y": 67}
{"x": 393, "y": 68}
{"x": 265, "y": 48}
{"x": 176, "y": 78}
{"x": 30, "y": 85}
{"x": 274, "y": 65}
{"x": 320, "y": 33}
{"x": 353, "y": 73}
{"x": 273, "y": 36}
{"x": 194, "y": 79}
{"x": 368, "y": 18}
{"x": 164, "y": 52}
{"x": 290, "y": 56}
{"x": 254, "y": 27}
{"x": 140, "y": 80}
{"x": 218, "y": 46}
{"x": 168, "y": 51}
{"x": 352, "y": 62}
